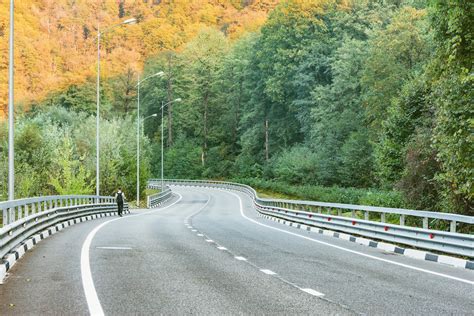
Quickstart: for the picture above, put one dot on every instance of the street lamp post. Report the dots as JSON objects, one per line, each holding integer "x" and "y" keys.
{"x": 11, "y": 139}
{"x": 162, "y": 131}
{"x": 99, "y": 35}
{"x": 158, "y": 74}
{"x": 138, "y": 159}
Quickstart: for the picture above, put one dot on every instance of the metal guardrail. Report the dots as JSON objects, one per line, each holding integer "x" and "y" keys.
{"x": 24, "y": 218}
{"x": 17, "y": 209}
{"x": 154, "y": 200}
{"x": 342, "y": 217}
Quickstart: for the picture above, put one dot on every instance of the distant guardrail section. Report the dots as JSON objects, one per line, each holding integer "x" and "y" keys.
{"x": 159, "y": 198}
{"x": 344, "y": 218}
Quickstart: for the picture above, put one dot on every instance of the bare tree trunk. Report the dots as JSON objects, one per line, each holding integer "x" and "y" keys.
{"x": 204, "y": 149}
{"x": 237, "y": 117}
{"x": 170, "y": 99}
{"x": 129, "y": 89}
{"x": 267, "y": 156}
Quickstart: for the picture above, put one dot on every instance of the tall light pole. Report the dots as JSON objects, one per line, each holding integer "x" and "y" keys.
{"x": 11, "y": 138}
{"x": 158, "y": 74}
{"x": 162, "y": 131}
{"x": 99, "y": 35}
{"x": 138, "y": 159}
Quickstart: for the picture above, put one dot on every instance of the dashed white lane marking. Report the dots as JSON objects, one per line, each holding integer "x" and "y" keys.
{"x": 269, "y": 272}
{"x": 346, "y": 249}
{"x": 115, "y": 248}
{"x": 194, "y": 230}
{"x": 313, "y": 292}
{"x": 93, "y": 303}
{"x": 266, "y": 271}
{"x": 200, "y": 235}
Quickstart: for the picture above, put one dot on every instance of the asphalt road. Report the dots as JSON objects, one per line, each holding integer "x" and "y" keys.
{"x": 209, "y": 253}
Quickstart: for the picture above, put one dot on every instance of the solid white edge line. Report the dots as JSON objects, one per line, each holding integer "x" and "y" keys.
{"x": 92, "y": 299}
{"x": 349, "y": 250}
{"x": 114, "y": 248}
{"x": 93, "y": 303}
{"x": 240, "y": 258}
{"x": 266, "y": 271}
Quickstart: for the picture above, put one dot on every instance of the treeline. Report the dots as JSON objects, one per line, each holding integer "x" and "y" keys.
{"x": 336, "y": 93}
{"x": 329, "y": 93}
{"x": 55, "y": 154}
{"x": 55, "y": 40}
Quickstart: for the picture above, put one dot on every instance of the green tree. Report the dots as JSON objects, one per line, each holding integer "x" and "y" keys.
{"x": 395, "y": 53}
{"x": 452, "y": 95}
{"x": 70, "y": 177}
{"x": 204, "y": 56}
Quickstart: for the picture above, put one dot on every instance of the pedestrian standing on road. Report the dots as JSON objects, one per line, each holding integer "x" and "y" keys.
{"x": 119, "y": 198}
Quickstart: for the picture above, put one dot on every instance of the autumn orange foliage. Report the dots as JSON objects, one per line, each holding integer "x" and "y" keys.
{"x": 55, "y": 39}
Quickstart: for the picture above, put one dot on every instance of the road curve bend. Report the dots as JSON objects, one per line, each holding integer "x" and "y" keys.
{"x": 208, "y": 252}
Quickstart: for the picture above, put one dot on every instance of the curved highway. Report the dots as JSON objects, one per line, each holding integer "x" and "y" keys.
{"x": 208, "y": 252}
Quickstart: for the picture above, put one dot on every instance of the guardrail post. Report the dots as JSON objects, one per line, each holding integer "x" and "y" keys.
{"x": 4, "y": 217}
{"x": 366, "y": 215}
{"x": 382, "y": 217}
{"x": 11, "y": 217}
{"x": 26, "y": 210}
{"x": 353, "y": 213}
{"x": 452, "y": 226}
{"x": 339, "y": 212}
{"x": 19, "y": 212}
{"x": 402, "y": 220}
{"x": 425, "y": 222}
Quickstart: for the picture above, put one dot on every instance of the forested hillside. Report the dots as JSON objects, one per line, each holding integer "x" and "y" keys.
{"x": 55, "y": 39}
{"x": 337, "y": 97}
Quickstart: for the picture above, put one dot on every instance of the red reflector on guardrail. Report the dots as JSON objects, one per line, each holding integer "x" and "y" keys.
{"x": 432, "y": 236}
{"x": 329, "y": 219}
{"x": 354, "y": 222}
{"x": 386, "y": 228}
{"x": 310, "y": 215}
